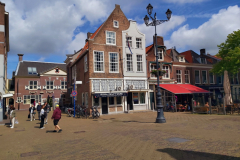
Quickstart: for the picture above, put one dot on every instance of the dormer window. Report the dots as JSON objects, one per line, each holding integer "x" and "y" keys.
{"x": 115, "y": 24}
{"x": 32, "y": 70}
{"x": 160, "y": 55}
{"x": 181, "y": 59}
{"x": 203, "y": 60}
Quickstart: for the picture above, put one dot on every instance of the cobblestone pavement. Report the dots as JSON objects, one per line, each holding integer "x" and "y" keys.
{"x": 125, "y": 136}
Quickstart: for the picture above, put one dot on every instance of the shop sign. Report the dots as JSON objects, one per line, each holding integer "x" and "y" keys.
{"x": 110, "y": 94}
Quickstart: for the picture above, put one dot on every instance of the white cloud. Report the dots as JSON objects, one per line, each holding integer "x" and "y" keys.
{"x": 208, "y": 35}
{"x": 185, "y": 1}
{"x": 42, "y": 59}
{"x": 162, "y": 29}
{"x": 47, "y": 26}
{"x": 77, "y": 43}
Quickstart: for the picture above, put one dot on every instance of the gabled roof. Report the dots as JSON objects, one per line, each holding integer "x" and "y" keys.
{"x": 40, "y": 66}
{"x": 52, "y": 69}
{"x": 94, "y": 34}
{"x": 148, "y": 48}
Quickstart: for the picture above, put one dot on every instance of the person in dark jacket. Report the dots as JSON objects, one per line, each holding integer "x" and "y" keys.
{"x": 39, "y": 106}
{"x": 32, "y": 113}
{"x": 56, "y": 117}
{"x": 42, "y": 117}
{"x": 46, "y": 111}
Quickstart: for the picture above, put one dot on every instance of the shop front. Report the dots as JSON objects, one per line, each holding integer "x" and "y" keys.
{"x": 137, "y": 100}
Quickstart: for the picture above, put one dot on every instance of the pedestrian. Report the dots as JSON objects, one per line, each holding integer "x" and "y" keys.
{"x": 56, "y": 117}
{"x": 32, "y": 113}
{"x": 42, "y": 115}
{"x": 46, "y": 110}
{"x": 13, "y": 116}
{"x": 8, "y": 114}
{"x": 39, "y": 106}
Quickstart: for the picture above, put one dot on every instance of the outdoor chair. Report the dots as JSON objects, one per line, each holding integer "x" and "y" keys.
{"x": 214, "y": 109}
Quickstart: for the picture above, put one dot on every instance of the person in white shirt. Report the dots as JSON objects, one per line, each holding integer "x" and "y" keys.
{"x": 42, "y": 115}
{"x": 32, "y": 113}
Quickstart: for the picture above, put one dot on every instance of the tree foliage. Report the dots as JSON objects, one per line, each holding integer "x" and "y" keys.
{"x": 229, "y": 52}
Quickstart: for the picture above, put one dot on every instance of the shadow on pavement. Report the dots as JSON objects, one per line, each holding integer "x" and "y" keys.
{"x": 36, "y": 126}
{"x": 50, "y": 131}
{"x": 184, "y": 154}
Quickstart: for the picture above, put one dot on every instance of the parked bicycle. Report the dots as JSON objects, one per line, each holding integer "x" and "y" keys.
{"x": 81, "y": 112}
{"x": 95, "y": 113}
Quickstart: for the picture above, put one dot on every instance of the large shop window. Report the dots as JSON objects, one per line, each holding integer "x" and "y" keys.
{"x": 113, "y": 62}
{"x": 32, "y": 84}
{"x": 32, "y": 70}
{"x": 139, "y": 98}
{"x": 129, "y": 41}
{"x": 197, "y": 77}
{"x": 119, "y": 100}
{"x": 111, "y": 38}
{"x": 204, "y": 77}
{"x": 63, "y": 85}
{"x": 98, "y": 61}
{"x": 179, "y": 76}
{"x": 96, "y": 101}
{"x": 166, "y": 69}
{"x": 138, "y": 43}
{"x": 129, "y": 62}
{"x": 111, "y": 100}
{"x": 139, "y": 63}
{"x": 187, "y": 76}
{"x": 49, "y": 85}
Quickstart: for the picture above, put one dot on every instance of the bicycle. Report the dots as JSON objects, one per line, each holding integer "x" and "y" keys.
{"x": 95, "y": 113}
{"x": 83, "y": 112}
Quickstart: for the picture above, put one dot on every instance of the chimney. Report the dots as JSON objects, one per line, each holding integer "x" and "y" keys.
{"x": 89, "y": 35}
{"x": 117, "y": 6}
{"x": 159, "y": 40}
{"x": 20, "y": 57}
{"x": 202, "y": 52}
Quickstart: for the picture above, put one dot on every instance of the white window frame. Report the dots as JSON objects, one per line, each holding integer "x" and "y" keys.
{"x": 110, "y": 37}
{"x": 115, "y": 25}
{"x": 160, "y": 52}
{"x": 113, "y": 62}
{"x": 85, "y": 64}
{"x": 130, "y": 41}
{"x": 114, "y": 102}
{"x": 167, "y": 72}
{"x": 49, "y": 85}
{"x": 129, "y": 61}
{"x": 195, "y": 76}
{"x": 213, "y": 78}
{"x": 206, "y": 77}
{"x": 32, "y": 72}
{"x": 19, "y": 99}
{"x": 152, "y": 67}
{"x": 187, "y": 74}
{"x": 205, "y": 61}
{"x": 65, "y": 85}
{"x": 139, "y": 62}
{"x": 99, "y": 61}
{"x": 179, "y": 74}
{"x": 181, "y": 59}
{"x": 140, "y": 98}
{"x": 140, "y": 43}
{"x": 33, "y": 85}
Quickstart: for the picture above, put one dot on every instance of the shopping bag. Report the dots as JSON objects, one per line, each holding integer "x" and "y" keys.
{"x": 28, "y": 115}
{"x": 16, "y": 122}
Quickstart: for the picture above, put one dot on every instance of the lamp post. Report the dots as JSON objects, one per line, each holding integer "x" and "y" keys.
{"x": 160, "y": 117}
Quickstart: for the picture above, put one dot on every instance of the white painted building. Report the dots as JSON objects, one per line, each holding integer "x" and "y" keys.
{"x": 134, "y": 68}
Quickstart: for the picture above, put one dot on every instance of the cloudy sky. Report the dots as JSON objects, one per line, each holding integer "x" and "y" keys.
{"x": 46, "y": 30}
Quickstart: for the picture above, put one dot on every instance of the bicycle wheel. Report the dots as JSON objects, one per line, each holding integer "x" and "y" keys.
{"x": 93, "y": 115}
{"x": 98, "y": 114}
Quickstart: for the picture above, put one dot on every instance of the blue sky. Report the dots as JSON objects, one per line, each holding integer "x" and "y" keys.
{"x": 45, "y": 30}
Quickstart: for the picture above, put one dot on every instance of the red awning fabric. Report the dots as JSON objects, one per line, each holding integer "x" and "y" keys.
{"x": 183, "y": 88}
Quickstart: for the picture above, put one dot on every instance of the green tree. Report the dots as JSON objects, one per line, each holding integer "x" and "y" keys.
{"x": 229, "y": 52}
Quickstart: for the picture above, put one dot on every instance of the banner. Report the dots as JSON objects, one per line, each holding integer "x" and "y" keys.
{"x": 110, "y": 94}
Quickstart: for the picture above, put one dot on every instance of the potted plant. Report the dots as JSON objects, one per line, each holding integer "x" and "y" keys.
{"x": 161, "y": 73}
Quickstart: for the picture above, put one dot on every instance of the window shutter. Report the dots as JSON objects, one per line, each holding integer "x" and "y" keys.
{"x": 39, "y": 87}
{"x": 59, "y": 87}
{"x": 27, "y": 87}
{"x": 44, "y": 87}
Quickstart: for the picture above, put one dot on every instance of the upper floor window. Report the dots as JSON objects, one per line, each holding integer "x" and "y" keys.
{"x": 49, "y": 85}
{"x": 19, "y": 99}
{"x": 219, "y": 79}
{"x": 63, "y": 85}
{"x": 181, "y": 59}
{"x": 211, "y": 78}
{"x": 129, "y": 62}
{"x": 113, "y": 62}
{"x": 98, "y": 61}
{"x": 197, "y": 77}
{"x": 187, "y": 76}
{"x": 111, "y": 38}
{"x": 115, "y": 24}
{"x": 138, "y": 43}
{"x": 32, "y": 70}
{"x": 129, "y": 41}
{"x": 32, "y": 84}
{"x": 203, "y": 60}
{"x": 152, "y": 67}
{"x": 160, "y": 55}
{"x": 166, "y": 75}
{"x": 139, "y": 63}
{"x": 179, "y": 76}
{"x": 85, "y": 64}
{"x": 204, "y": 77}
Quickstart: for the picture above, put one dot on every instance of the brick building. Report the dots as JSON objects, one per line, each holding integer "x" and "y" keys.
{"x": 35, "y": 81}
{"x": 4, "y": 49}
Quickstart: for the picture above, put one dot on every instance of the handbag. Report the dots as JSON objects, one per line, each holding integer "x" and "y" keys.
{"x": 16, "y": 122}
{"x": 28, "y": 115}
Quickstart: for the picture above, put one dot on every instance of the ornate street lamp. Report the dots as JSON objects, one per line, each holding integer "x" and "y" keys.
{"x": 160, "y": 116}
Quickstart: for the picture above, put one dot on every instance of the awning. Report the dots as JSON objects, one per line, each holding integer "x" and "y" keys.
{"x": 7, "y": 95}
{"x": 183, "y": 88}
{"x": 115, "y": 94}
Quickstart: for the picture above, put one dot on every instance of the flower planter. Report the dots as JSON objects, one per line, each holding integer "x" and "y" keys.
{"x": 161, "y": 73}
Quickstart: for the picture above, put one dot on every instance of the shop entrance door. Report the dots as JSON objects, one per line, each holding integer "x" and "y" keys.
{"x": 104, "y": 105}
{"x": 129, "y": 101}
{"x": 152, "y": 103}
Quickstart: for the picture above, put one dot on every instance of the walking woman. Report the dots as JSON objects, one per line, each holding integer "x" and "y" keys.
{"x": 13, "y": 116}
{"x": 42, "y": 115}
{"x": 56, "y": 117}
{"x": 32, "y": 112}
